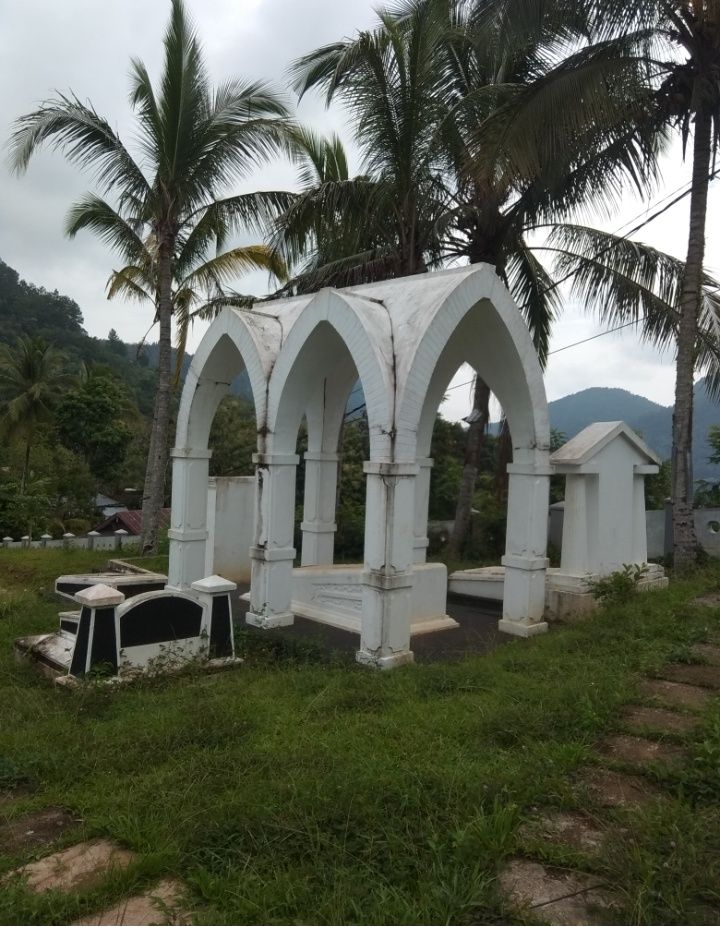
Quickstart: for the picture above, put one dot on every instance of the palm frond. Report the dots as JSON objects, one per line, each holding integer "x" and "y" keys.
{"x": 537, "y": 298}
{"x": 131, "y": 282}
{"x": 98, "y": 216}
{"x": 85, "y": 139}
{"x": 629, "y": 282}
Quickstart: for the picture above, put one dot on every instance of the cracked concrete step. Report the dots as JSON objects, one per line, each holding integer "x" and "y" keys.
{"x": 612, "y": 789}
{"x": 556, "y": 896}
{"x": 640, "y": 718}
{"x": 76, "y": 868}
{"x": 158, "y": 905}
{"x": 676, "y": 694}
{"x": 639, "y": 750}
{"x": 693, "y": 674}
{"x": 37, "y": 829}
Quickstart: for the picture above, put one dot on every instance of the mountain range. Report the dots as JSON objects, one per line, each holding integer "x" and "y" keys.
{"x": 652, "y": 421}
{"x": 26, "y": 309}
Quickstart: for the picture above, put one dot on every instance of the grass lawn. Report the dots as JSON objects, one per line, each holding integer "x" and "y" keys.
{"x": 293, "y": 791}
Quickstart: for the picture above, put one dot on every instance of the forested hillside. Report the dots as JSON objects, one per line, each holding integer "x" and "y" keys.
{"x": 29, "y": 310}
{"x": 571, "y": 414}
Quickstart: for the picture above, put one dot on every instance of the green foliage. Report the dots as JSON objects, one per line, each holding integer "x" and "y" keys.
{"x": 233, "y": 438}
{"x": 90, "y": 420}
{"x": 657, "y": 487}
{"x": 115, "y": 344}
{"x": 59, "y": 488}
{"x": 447, "y": 451}
{"x": 349, "y": 538}
{"x": 30, "y": 311}
{"x": 487, "y": 534}
{"x": 620, "y": 586}
{"x": 707, "y": 492}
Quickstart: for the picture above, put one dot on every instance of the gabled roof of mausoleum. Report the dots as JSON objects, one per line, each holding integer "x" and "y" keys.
{"x": 409, "y": 303}
{"x": 591, "y": 440}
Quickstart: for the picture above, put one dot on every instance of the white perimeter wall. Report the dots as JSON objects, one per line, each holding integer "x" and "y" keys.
{"x": 231, "y": 507}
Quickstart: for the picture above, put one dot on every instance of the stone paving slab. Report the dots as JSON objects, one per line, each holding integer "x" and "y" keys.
{"x": 639, "y": 750}
{"x": 693, "y": 674}
{"x": 37, "y": 829}
{"x": 710, "y": 600}
{"x": 677, "y": 694}
{"x": 76, "y": 868}
{"x": 158, "y": 905}
{"x": 568, "y": 828}
{"x": 641, "y": 718}
{"x": 619, "y": 790}
{"x": 710, "y": 653}
{"x": 556, "y": 896}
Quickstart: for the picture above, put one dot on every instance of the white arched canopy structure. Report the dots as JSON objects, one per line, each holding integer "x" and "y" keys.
{"x": 403, "y": 340}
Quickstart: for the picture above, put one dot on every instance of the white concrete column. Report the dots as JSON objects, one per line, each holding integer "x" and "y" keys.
{"x": 211, "y": 512}
{"x": 272, "y": 555}
{"x": 318, "y": 525}
{"x": 575, "y": 555}
{"x": 387, "y": 577}
{"x": 422, "y": 504}
{"x": 188, "y": 519}
{"x": 525, "y": 561}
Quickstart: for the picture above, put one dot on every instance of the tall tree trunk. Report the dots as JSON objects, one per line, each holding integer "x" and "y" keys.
{"x": 684, "y": 539}
{"x": 26, "y": 468}
{"x": 154, "y": 489}
{"x": 475, "y": 438}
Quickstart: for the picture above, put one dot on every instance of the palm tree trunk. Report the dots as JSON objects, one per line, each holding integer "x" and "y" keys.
{"x": 475, "y": 438}
{"x": 26, "y": 468}
{"x": 154, "y": 489}
{"x": 684, "y": 538}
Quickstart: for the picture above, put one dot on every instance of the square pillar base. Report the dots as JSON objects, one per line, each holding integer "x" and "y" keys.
{"x": 389, "y": 661}
{"x": 268, "y": 622}
{"x": 524, "y": 628}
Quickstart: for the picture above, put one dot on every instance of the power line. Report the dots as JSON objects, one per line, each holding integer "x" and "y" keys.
{"x": 632, "y": 231}
{"x": 565, "y": 347}
{"x": 609, "y": 331}
{"x": 651, "y": 218}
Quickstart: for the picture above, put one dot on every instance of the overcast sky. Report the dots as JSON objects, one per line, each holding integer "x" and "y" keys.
{"x": 86, "y": 45}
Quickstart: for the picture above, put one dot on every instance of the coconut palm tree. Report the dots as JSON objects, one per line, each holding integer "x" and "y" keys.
{"x": 440, "y": 97}
{"x": 386, "y": 79}
{"x": 32, "y": 380}
{"x": 198, "y": 292}
{"x": 194, "y": 142}
{"x": 676, "y": 46}
{"x": 325, "y": 233}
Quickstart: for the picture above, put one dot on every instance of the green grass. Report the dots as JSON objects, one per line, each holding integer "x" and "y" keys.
{"x": 156, "y": 564}
{"x": 298, "y": 791}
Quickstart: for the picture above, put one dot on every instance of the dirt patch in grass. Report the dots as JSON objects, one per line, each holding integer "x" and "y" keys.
{"x": 37, "y": 829}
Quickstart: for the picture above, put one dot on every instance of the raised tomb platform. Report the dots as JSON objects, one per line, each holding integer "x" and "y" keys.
{"x": 566, "y": 594}
{"x": 332, "y": 595}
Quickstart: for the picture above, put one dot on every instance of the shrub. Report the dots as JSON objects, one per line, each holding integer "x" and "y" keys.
{"x": 619, "y": 587}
